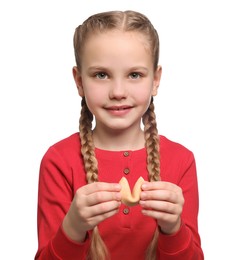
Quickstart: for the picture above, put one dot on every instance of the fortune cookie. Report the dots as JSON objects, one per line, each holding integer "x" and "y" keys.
{"x": 127, "y": 197}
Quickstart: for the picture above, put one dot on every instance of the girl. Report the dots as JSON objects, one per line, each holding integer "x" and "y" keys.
{"x": 80, "y": 209}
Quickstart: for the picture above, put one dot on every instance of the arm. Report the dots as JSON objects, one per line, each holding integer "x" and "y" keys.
{"x": 54, "y": 199}
{"x": 66, "y": 216}
{"x": 175, "y": 207}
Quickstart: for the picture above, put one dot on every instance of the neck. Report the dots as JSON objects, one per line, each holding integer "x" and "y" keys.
{"x": 118, "y": 140}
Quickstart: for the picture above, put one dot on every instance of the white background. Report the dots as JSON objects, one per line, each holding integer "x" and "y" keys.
{"x": 198, "y": 105}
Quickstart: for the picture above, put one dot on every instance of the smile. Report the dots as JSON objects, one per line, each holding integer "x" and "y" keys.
{"x": 119, "y": 108}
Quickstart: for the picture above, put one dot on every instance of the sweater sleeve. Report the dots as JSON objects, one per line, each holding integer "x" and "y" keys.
{"x": 55, "y": 194}
{"x": 185, "y": 244}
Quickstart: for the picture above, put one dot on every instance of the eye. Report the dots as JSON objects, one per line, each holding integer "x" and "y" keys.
{"x": 101, "y": 75}
{"x": 135, "y": 75}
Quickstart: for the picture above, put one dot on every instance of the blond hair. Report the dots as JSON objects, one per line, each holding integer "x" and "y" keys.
{"x": 100, "y": 23}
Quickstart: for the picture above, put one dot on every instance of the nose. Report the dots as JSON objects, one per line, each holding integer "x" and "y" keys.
{"x": 118, "y": 90}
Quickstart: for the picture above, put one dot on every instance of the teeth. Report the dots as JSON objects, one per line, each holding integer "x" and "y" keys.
{"x": 119, "y": 108}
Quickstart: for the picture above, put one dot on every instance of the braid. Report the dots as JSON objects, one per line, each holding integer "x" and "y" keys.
{"x": 153, "y": 163}
{"x": 98, "y": 250}
{"x": 87, "y": 145}
{"x": 152, "y": 143}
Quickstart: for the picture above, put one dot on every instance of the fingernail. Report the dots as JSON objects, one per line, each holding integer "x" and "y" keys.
{"x": 118, "y": 195}
{"x": 143, "y": 195}
{"x": 141, "y": 202}
{"x": 117, "y": 186}
{"x": 144, "y": 186}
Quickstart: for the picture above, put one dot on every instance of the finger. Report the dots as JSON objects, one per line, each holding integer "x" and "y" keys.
{"x": 92, "y": 216}
{"x": 161, "y": 195}
{"x": 99, "y": 186}
{"x": 96, "y": 219}
{"x": 160, "y": 185}
{"x": 161, "y": 216}
{"x": 161, "y": 206}
{"x": 104, "y": 209}
{"x": 102, "y": 196}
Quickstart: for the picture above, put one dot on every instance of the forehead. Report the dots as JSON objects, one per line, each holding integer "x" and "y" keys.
{"x": 115, "y": 43}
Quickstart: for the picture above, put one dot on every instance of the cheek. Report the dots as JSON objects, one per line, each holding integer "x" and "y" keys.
{"x": 144, "y": 94}
{"x": 93, "y": 92}
{"x": 144, "y": 98}
{"x": 94, "y": 98}
{"x": 143, "y": 103}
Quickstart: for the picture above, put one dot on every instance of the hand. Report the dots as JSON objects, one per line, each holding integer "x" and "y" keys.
{"x": 164, "y": 202}
{"x": 92, "y": 204}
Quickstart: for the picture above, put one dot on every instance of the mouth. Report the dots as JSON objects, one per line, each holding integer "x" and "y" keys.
{"x": 118, "y": 108}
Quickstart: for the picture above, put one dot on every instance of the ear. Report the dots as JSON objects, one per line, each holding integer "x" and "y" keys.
{"x": 78, "y": 80}
{"x": 156, "y": 80}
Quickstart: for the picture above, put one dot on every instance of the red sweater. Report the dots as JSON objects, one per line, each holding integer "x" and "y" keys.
{"x": 128, "y": 233}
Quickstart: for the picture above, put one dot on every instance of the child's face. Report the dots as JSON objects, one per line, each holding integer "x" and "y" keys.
{"x": 117, "y": 78}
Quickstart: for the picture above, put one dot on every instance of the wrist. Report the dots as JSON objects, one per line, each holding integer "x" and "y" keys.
{"x": 170, "y": 230}
{"x": 71, "y": 232}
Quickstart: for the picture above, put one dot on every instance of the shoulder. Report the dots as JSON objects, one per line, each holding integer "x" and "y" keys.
{"x": 177, "y": 161}
{"x": 68, "y": 142}
{"x": 62, "y": 164}
{"x": 68, "y": 147}
{"x": 174, "y": 149}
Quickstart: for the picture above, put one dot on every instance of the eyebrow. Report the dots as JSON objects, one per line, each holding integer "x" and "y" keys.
{"x": 96, "y": 68}
{"x": 139, "y": 68}
{"x": 105, "y": 68}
